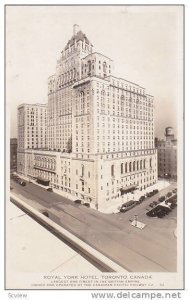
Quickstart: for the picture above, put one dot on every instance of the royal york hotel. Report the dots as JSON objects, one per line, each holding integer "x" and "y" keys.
{"x": 94, "y": 139}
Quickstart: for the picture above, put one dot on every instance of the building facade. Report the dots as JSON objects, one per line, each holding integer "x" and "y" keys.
{"x": 100, "y": 129}
{"x": 167, "y": 155}
{"x": 32, "y": 131}
{"x": 13, "y": 154}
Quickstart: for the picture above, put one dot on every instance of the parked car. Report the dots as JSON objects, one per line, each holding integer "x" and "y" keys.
{"x": 155, "y": 191}
{"x": 151, "y": 204}
{"x": 86, "y": 204}
{"x": 141, "y": 199}
{"x": 78, "y": 201}
{"x": 150, "y": 194}
{"x": 155, "y": 202}
{"x": 50, "y": 190}
{"x": 161, "y": 199}
{"x": 169, "y": 194}
{"x": 46, "y": 214}
{"x": 128, "y": 205}
{"x": 21, "y": 182}
{"x": 123, "y": 209}
{"x": 158, "y": 211}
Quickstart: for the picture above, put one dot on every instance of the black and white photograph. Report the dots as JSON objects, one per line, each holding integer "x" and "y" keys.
{"x": 94, "y": 147}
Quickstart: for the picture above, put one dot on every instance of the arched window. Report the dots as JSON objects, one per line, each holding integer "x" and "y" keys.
{"x": 130, "y": 167}
{"x": 104, "y": 66}
{"x": 112, "y": 170}
{"x": 122, "y": 168}
{"x": 125, "y": 167}
{"x": 141, "y": 165}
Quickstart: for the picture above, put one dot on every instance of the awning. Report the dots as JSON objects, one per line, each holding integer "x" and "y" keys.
{"x": 42, "y": 179}
{"x": 129, "y": 188}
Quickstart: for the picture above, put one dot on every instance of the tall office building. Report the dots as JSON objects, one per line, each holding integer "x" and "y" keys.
{"x": 100, "y": 129}
{"x": 32, "y": 130}
{"x": 167, "y": 155}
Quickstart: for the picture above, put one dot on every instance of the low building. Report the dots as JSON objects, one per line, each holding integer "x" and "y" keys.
{"x": 167, "y": 155}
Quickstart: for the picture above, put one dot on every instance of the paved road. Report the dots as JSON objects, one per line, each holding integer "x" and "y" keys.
{"x": 152, "y": 249}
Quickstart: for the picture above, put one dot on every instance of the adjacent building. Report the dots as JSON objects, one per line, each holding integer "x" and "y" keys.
{"x": 32, "y": 131}
{"x": 13, "y": 154}
{"x": 167, "y": 155}
{"x": 100, "y": 130}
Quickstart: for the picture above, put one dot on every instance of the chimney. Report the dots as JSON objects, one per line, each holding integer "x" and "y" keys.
{"x": 75, "y": 29}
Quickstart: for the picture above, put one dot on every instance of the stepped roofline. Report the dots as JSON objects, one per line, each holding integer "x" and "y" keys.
{"x": 78, "y": 35}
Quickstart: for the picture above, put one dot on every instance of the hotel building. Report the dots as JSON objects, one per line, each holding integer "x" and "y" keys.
{"x": 100, "y": 130}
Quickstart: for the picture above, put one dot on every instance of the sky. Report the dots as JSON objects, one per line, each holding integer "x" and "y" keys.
{"x": 145, "y": 43}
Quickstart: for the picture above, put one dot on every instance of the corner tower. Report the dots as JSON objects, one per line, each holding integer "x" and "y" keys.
{"x": 68, "y": 71}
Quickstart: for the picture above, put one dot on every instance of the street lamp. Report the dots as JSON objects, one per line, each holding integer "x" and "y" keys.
{"x": 135, "y": 220}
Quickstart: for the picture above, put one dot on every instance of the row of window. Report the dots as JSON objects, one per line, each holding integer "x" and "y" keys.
{"x": 131, "y": 166}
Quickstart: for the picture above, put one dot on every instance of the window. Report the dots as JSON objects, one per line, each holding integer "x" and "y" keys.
{"x": 89, "y": 66}
{"x": 130, "y": 167}
{"x": 144, "y": 163}
{"x": 112, "y": 171}
{"x": 82, "y": 102}
{"x": 83, "y": 186}
{"x": 104, "y": 68}
{"x": 122, "y": 168}
{"x": 82, "y": 170}
{"x": 150, "y": 163}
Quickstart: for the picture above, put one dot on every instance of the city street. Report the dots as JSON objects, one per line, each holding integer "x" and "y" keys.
{"x": 152, "y": 249}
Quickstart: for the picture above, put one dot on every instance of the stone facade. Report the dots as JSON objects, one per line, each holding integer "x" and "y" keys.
{"x": 100, "y": 129}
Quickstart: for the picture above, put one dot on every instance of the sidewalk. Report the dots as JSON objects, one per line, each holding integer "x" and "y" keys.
{"x": 114, "y": 206}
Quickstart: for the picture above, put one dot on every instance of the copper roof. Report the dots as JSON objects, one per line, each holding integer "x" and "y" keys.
{"x": 80, "y": 36}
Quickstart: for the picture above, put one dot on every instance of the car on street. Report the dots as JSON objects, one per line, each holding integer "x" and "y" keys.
{"x": 127, "y": 206}
{"x": 50, "y": 190}
{"x": 86, "y": 204}
{"x": 77, "y": 201}
{"x": 158, "y": 211}
{"x": 141, "y": 199}
{"x": 21, "y": 182}
{"x": 45, "y": 213}
{"x": 152, "y": 193}
{"x": 161, "y": 199}
{"x": 169, "y": 194}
